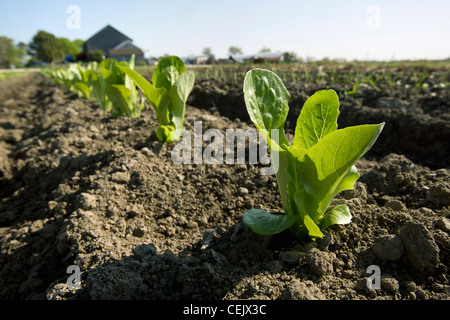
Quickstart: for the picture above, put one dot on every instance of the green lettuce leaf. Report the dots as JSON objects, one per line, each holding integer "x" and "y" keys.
{"x": 265, "y": 223}
{"x": 317, "y": 119}
{"x": 326, "y": 168}
{"x": 340, "y": 214}
{"x": 266, "y": 99}
{"x": 168, "y": 94}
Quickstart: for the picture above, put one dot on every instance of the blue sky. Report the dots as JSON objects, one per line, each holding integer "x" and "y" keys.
{"x": 350, "y": 29}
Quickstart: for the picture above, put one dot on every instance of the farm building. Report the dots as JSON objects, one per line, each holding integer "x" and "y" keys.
{"x": 193, "y": 59}
{"x": 259, "y": 58}
{"x": 113, "y": 44}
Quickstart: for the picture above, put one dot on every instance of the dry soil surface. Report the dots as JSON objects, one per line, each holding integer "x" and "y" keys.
{"x": 80, "y": 187}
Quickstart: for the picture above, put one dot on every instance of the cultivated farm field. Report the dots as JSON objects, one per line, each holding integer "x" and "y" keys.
{"x": 81, "y": 187}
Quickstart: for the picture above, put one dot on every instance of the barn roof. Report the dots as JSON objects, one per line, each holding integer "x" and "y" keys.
{"x": 106, "y": 39}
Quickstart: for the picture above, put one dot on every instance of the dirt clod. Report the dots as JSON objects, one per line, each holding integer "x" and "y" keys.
{"x": 422, "y": 251}
{"x": 388, "y": 247}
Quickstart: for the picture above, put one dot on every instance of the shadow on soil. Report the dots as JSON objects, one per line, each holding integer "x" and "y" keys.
{"x": 207, "y": 271}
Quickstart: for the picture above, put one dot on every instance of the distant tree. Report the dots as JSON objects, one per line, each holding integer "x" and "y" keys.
{"x": 208, "y": 52}
{"x": 71, "y": 47}
{"x": 22, "y": 49}
{"x": 79, "y": 43}
{"x": 10, "y": 54}
{"x": 22, "y": 46}
{"x": 46, "y": 47}
{"x": 290, "y": 57}
{"x": 264, "y": 49}
{"x": 6, "y": 46}
{"x": 235, "y": 51}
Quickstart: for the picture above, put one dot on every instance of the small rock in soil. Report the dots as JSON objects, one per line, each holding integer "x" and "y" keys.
{"x": 442, "y": 239}
{"x": 395, "y": 205}
{"x": 87, "y": 201}
{"x": 389, "y": 248}
{"x": 389, "y": 283}
{"x": 145, "y": 249}
{"x": 93, "y": 128}
{"x": 242, "y": 191}
{"x": 421, "y": 294}
{"x": 139, "y": 231}
{"x": 422, "y": 251}
{"x": 291, "y": 257}
{"x": 83, "y": 142}
{"x": 320, "y": 262}
{"x": 362, "y": 285}
{"x": 121, "y": 177}
{"x": 443, "y": 224}
{"x": 439, "y": 194}
{"x": 298, "y": 290}
{"x": 411, "y": 286}
{"x": 208, "y": 117}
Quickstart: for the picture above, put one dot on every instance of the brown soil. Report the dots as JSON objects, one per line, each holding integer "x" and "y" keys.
{"x": 79, "y": 187}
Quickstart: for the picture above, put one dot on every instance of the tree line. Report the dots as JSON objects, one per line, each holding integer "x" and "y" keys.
{"x": 44, "y": 47}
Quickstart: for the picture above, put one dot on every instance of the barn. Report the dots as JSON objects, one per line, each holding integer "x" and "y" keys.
{"x": 114, "y": 44}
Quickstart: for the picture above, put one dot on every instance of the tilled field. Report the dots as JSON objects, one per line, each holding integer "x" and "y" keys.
{"x": 80, "y": 187}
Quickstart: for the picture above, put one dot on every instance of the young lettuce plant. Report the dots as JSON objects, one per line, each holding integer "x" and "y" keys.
{"x": 81, "y": 85}
{"x": 168, "y": 94}
{"x": 313, "y": 168}
{"x": 95, "y": 76}
{"x": 66, "y": 77}
{"x": 119, "y": 88}
{"x": 105, "y": 82}
{"x": 72, "y": 79}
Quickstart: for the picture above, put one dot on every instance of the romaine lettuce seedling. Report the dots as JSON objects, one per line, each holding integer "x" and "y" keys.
{"x": 313, "y": 168}
{"x": 81, "y": 85}
{"x": 168, "y": 94}
{"x": 97, "y": 83}
{"x": 105, "y": 82}
{"x": 120, "y": 89}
